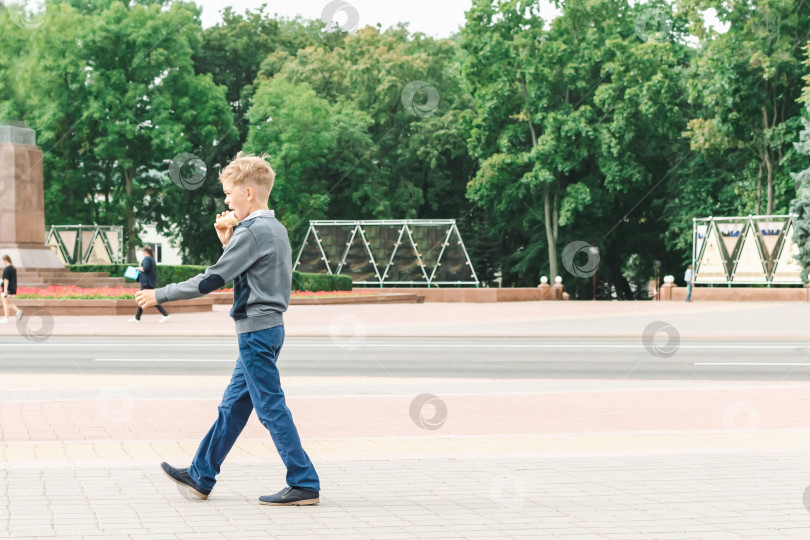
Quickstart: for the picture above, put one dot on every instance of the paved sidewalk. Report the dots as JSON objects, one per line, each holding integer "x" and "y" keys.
{"x": 420, "y": 457}
{"x": 706, "y": 320}
{"x": 413, "y": 458}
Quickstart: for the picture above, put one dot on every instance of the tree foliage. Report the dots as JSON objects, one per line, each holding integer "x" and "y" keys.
{"x": 613, "y": 124}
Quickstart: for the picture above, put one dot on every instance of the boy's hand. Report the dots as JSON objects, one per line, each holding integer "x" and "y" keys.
{"x": 146, "y": 298}
{"x": 224, "y": 230}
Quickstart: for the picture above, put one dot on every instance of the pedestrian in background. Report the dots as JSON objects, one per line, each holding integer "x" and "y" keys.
{"x": 689, "y": 277}
{"x": 148, "y": 280}
{"x": 9, "y": 290}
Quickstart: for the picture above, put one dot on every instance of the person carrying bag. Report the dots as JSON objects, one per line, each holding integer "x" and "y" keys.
{"x": 147, "y": 276}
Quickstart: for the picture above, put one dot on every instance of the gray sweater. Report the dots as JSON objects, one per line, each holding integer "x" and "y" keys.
{"x": 259, "y": 261}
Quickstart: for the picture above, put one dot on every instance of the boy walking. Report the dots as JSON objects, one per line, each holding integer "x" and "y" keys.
{"x": 258, "y": 258}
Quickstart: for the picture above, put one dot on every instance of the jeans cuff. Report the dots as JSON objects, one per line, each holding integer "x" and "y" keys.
{"x": 200, "y": 483}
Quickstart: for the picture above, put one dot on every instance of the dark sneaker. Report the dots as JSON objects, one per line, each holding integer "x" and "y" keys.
{"x": 181, "y": 477}
{"x": 291, "y": 496}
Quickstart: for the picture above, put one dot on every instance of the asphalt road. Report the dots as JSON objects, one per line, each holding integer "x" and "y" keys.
{"x": 423, "y": 357}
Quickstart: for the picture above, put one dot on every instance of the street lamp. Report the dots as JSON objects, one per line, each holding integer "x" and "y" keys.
{"x": 657, "y": 264}
{"x": 594, "y": 257}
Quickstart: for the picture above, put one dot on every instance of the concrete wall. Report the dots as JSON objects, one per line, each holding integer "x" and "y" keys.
{"x": 670, "y": 292}
{"x": 518, "y": 294}
{"x": 171, "y": 253}
{"x": 58, "y": 307}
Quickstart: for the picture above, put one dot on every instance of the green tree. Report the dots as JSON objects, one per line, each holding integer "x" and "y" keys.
{"x": 801, "y": 204}
{"x": 147, "y": 99}
{"x": 745, "y": 90}
{"x": 312, "y": 145}
{"x": 113, "y": 94}
{"x": 51, "y": 72}
{"x": 232, "y": 52}
{"x": 411, "y": 162}
{"x": 575, "y": 126}
{"x": 12, "y": 48}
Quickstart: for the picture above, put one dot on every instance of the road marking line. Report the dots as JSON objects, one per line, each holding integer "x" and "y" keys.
{"x": 215, "y": 360}
{"x": 216, "y": 395}
{"x": 371, "y": 344}
{"x": 752, "y": 364}
{"x": 163, "y": 360}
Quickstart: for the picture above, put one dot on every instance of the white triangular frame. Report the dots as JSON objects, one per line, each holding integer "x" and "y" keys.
{"x": 749, "y": 234}
{"x": 787, "y": 243}
{"x": 712, "y": 235}
{"x": 405, "y": 226}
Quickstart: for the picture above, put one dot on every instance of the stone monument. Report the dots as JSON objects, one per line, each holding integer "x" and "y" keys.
{"x": 22, "y": 202}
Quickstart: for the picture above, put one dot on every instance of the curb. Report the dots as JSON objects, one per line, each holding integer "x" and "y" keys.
{"x": 226, "y": 299}
{"x": 555, "y": 337}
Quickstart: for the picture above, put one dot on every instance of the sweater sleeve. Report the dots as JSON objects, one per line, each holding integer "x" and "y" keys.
{"x": 239, "y": 255}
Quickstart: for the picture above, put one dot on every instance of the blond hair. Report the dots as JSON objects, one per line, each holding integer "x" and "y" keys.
{"x": 250, "y": 169}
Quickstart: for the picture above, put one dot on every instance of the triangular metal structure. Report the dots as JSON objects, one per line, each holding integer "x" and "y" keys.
{"x": 311, "y": 258}
{"x": 429, "y": 241}
{"x": 453, "y": 260}
{"x": 405, "y": 265}
{"x": 711, "y": 265}
{"x": 86, "y": 244}
{"x": 731, "y": 236}
{"x": 764, "y": 252}
{"x": 770, "y": 235}
{"x": 98, "y": 252}
{"x": 787, "y": 266}
{"x": 750, "y": 266}
{"x": 389, "y": 252}
{"x": 69, "y": 241}
{"x": 770, "y": 232}
{"x": 358, "y": 261}
{"x": 700, "y": 234}
{"x": 334, "y": 242}
{"x": 381, "y": 241}
{"x": 731, "y": 233}
{"x": 86, "y": 237}
{"x": 346, "y": 248}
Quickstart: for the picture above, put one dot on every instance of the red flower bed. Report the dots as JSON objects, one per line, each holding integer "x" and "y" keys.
{"x": 63, "y": 292}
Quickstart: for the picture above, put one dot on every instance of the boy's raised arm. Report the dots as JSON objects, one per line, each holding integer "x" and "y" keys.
{"x": 239, "y": 255}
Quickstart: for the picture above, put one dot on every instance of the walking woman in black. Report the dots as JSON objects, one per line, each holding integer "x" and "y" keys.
{"x": 9, "y": 290}
{"x": 148, "y": 280}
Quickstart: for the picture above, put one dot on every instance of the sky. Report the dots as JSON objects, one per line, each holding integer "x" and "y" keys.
{"x": 437, "y": 18}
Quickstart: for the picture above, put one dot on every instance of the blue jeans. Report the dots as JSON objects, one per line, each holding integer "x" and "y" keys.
{"x": 689, "y": 292}
{"x": 255, "y": 383}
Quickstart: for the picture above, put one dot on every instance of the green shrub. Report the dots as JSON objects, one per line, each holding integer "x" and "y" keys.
{"x": 321, "y": 282}
{"x": 175, "y": 274}
{"x": 166, "y": 273}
